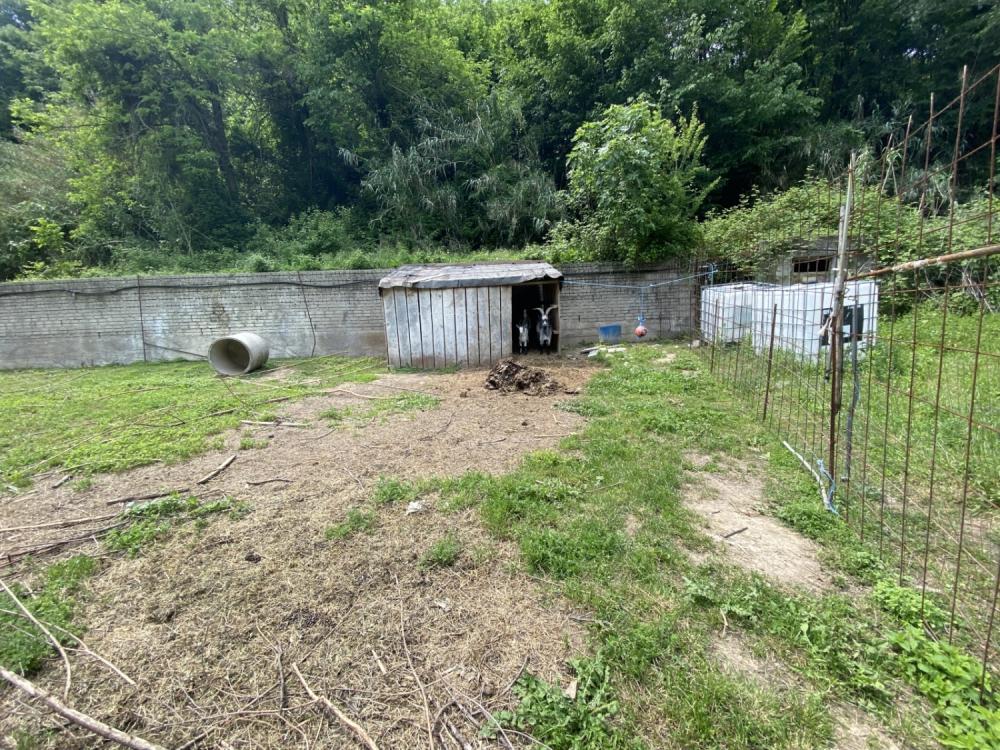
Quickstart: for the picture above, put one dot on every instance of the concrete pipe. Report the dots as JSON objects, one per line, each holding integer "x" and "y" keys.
{"x": 238, "y": 354}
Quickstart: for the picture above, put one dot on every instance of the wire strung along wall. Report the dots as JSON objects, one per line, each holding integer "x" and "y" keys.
{"x": 887, "y": 384}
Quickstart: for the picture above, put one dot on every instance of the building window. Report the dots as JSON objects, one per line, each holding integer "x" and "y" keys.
{"x": 811, "y": 265}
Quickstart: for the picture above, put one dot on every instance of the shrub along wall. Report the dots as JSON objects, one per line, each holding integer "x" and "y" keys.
{"x": 123, "y": 320}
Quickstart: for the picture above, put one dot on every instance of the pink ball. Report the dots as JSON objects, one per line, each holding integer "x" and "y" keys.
{"x": 640, "y": 331}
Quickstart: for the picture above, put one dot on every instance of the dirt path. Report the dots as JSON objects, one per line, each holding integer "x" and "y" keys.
{"x": 208, "y": 622}
{"x": 730, "y": 499}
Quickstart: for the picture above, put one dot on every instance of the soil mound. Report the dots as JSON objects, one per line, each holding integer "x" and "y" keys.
{"x": 509, "y": 376}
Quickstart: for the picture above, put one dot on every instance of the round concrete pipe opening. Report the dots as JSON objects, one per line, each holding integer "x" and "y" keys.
{"x": 238, "y": 354}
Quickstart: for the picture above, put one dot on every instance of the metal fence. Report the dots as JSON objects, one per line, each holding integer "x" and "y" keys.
{"x": 883, "y": 373}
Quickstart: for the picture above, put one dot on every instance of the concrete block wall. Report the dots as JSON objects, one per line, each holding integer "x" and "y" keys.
{"x": 121, "y": 320}
{"x": 594, "y": 295}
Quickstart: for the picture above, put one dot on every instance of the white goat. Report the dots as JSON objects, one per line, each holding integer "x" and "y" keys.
{"x": 544, "y": 327}
{"x": 523, "y": 331}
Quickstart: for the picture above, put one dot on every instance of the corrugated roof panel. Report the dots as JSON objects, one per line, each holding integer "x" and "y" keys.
{"x": 472, "y": 274}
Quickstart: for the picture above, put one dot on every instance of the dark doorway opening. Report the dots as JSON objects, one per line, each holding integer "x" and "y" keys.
{"x": 525, "y": 301}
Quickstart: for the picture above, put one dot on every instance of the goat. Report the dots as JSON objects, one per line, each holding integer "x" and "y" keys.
{"x": 523, "y": 331}
{"x": 544, "y": 327}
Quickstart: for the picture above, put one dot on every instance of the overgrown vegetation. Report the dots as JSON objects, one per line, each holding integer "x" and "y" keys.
{"x": 113, "y": 418}
{"x": 197, "y": 135}
{"x": 23, "y": 647}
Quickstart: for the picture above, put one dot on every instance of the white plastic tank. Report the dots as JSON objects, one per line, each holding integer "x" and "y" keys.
{"x": 727, "y": 311}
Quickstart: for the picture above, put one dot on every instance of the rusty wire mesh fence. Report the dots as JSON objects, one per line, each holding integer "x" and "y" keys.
{"x": 890, "y": 396}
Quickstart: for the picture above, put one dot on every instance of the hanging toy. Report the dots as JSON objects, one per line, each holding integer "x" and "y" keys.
{"x": 640, "y": 330}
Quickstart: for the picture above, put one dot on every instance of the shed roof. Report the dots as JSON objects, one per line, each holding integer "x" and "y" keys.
{"x": 472, "y": 274}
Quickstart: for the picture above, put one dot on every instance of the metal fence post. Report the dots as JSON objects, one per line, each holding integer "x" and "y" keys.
{"x": 770, "y": 360}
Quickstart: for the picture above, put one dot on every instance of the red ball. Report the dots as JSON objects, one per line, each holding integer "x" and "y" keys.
{"x": 640, "y": 331}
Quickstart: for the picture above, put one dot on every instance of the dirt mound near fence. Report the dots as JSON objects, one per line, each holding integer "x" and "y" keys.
{"x": 510, "y": 376}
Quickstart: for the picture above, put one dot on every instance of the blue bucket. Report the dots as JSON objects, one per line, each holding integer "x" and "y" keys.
{"x": 609, "y": 334}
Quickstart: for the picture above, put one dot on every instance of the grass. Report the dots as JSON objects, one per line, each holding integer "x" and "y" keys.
{"x": 904, "y": 450}
{"x": 153, "y": 520}
{"x": 118, "y": 417}
{"x": 443, "y": 553}
{"x": 602, "y": 522}
{"x": 381, "y": 408}
{"x": 357, "y": 521}
{"x": 23, "y": 647}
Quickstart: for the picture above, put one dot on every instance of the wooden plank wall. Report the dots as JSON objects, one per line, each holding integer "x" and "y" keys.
{"x": 430, "y": 328}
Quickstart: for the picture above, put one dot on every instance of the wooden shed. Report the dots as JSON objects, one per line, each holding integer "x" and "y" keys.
{"x": 442, "y": 315}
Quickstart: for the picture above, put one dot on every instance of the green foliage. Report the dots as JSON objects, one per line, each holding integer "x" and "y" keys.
{"x": 636, "y": 182}
{"x": 357, "y": 521}
{"x": 560, "y": 722}
{"x": 114, "y": 418}
{"x": 391, "y": 490}
{"x": 151, "y": 521}
{"x": 23, "y": 647}
{"x": 205, "y": 135}
{"x": 951, "y": 680}
{"x": 443, "y": 553}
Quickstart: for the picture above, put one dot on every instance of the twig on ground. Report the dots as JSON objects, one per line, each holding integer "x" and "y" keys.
{"x": 82, "y": 646}
{"x": 48, "y": 634}
{"x": 734, "y": 533}
{"x": 147, "y": 496}
{"x": 58, "y": 524}
{"x": 215, "y": 472}
{"x": 62, "y": 481}
{"x": 276, "y": 423}
{"x": 268, "y": 481}
{"x": 517, "y": 676}
{"x": 80, "y": 719}
{"x": 409, "y": 660}
{"x": 352, "y": 393}
{"x": 343, "y": 718}
{"x": 92, "y": 535}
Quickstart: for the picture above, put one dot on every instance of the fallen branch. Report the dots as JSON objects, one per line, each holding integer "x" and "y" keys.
{"x": 48, "y": 634}
{"x": 81, "y": 647}
{"x": 215, "y": 472}
{"x": 62, "y": 481}
{"x": 343, "y": 718}
{"x": 734, "y": 533}
{"x": 148, "y": 496}
{"x": 259, "y": 482}
{"x": 273, "y": 424}
{"x": 15, "y": 555}
{"x": 409, "y": 660}
{"x": 352, "y": 393}
{"x": 80, "y": 719}
{"x": 58, "y": 524}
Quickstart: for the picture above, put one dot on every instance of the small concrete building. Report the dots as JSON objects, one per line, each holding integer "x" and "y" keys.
{"x": 464, "y": 315}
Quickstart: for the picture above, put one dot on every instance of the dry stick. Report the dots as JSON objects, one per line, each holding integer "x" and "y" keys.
{"x": 259, "y": 482}
{"x": 62, "y": 481}
{"x": 48, "y": 634}
{"x": 734, "y": 533}
{"x": 336, "y": 712}
{"x": 215, "y": 472}
{"x": 15, "y": 555}
{"x": 78, "y": 718}
{"x": 409, "y": 660}
{"x": 82, "y": 647}
{"x": 148, "y": 496}
{"x": 276, "y": 423}
{"x": 352, "y": 393}
{"x": 58, "y": 524}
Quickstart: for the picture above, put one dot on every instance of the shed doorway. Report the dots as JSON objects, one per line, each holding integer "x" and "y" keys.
{"x": 529, "y": 301}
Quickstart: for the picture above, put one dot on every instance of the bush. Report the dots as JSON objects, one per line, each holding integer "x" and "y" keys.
{"x": 636, "y": 182}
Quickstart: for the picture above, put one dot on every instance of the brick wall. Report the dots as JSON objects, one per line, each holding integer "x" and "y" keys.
{"x": 121, "y": 320}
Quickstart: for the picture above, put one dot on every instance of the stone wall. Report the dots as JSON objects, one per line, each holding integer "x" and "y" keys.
{"x": 122, "y": 320}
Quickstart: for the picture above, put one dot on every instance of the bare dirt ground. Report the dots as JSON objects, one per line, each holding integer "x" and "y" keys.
{"x": 731, "y": 500}
{"x": 210, "y": 622}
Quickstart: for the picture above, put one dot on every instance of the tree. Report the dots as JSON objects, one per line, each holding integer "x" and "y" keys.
{"x": 636, "y": 182}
